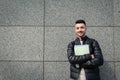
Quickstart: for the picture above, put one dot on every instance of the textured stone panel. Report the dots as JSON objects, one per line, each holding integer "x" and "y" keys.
{"x": 21, "y": 12}
{"x": 56, "y": 41}
{"x": 116, "y": 12}
{"x": 107, "y": 71}
{"x": 21, "y": 71}
{"x": 104, "y": 36}
{"x": 117, "y": 43}
{"x": 57, "y": 71}
{"x": 60, "y": 71}
{"x": 21, "y": 43}
{"x": 66, "y": 12}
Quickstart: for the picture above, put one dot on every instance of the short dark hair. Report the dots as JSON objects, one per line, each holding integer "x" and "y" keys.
{"x": 80, "y": 21}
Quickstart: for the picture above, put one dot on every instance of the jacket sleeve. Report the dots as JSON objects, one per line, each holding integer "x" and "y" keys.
{"x": 98, "y": 60}
{"x": 76, "y": 59}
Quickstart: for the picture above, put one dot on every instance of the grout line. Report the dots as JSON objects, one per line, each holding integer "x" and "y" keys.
{"x": 114, "y": 53}
{"x": 21, "y": 25}
{"x": 114, "y": 42}
{"x": 43, "y": 40}
{"x": 115, "y": 70}
{"x": 49, "y": 25}
{"x": 73, "y": 26}
{"x": 41, "y": 61}
{"x": 21, "y": 61}
{"x": 58, "y": 61}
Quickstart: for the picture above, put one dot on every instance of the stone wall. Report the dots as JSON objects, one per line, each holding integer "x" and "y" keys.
{"x": 34, "y": 35}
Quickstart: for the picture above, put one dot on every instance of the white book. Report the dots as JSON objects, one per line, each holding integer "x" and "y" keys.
{"x": 81, "y": 49}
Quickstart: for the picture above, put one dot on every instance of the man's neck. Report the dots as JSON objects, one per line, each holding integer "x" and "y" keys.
{"x": 81, "y": 38}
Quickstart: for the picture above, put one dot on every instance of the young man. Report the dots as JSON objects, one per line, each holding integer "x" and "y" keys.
{"x": 84, "y": 67}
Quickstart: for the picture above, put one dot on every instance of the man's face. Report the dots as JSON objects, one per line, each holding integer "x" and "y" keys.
{"x": 80, "y": 29}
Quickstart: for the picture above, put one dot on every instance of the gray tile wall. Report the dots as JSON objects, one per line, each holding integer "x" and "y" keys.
{"x": 21, "y": 71}
{"x": 21, "y": 12}
{"x": 34, "y": 35}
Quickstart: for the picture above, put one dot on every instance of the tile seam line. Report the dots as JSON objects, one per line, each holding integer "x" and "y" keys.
{"x": 41, "y": 61}
{"x": 114, "y": 40}
{"x": 21, "y": 25}
{"x": 49, "y": 26}
{"x": 43, "y": 40}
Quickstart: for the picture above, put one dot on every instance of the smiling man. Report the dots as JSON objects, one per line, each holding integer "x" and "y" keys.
{"x": 85, "y": 66}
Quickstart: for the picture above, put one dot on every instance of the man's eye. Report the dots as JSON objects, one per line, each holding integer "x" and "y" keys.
{"x": 77, "y": 27}
{"x": 82, "y": 27}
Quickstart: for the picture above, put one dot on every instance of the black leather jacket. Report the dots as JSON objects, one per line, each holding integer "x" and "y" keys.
{"x": 90, "y": 65}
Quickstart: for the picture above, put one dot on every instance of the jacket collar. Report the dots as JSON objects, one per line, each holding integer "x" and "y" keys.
{"x": 83, "y": 38}
{"x": 77, "y": 40}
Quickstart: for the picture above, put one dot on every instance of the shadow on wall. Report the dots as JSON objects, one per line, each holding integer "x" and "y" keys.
{"x": 107, "y": 71}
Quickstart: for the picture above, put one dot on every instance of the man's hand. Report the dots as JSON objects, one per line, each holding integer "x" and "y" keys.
{"x": 92, "y": 56}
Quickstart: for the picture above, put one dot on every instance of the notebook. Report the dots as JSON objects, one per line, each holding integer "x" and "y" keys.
{"x": 81, "y": 49}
